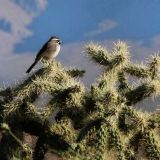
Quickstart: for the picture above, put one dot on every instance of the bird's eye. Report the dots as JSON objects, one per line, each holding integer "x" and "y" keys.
{"x": 56, "y": 40}
{"x": 59, "y": 41}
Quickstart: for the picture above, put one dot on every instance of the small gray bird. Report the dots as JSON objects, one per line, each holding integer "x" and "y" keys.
{"x": 49, "y": 51}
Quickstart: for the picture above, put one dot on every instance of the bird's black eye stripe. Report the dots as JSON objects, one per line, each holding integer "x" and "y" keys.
{"x": 59, "y": 41}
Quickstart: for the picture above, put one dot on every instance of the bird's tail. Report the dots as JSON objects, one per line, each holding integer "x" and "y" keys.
{"x": 30, "y": 68}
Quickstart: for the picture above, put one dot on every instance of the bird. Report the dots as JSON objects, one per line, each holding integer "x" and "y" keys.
{"x": 48, "y": 51}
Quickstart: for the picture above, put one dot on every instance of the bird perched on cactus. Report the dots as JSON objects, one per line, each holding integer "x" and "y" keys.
{"x": 49, "y": 50}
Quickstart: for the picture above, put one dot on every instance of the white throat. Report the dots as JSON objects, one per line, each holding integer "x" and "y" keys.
{"x": 56, "y": 51}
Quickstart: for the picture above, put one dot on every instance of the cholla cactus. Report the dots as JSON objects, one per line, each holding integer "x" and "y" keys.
{"x": 81, "y": 124}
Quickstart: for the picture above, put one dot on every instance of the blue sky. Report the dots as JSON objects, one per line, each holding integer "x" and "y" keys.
{"x": 71, "y": 20}
{"x": 25, "y": 25}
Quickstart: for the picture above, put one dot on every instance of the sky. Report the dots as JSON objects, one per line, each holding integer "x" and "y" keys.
{"x": 25, "y": 25}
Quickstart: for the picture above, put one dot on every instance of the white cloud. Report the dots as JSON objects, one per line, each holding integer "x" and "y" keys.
{"x": 14, "y": 66}
{"x": 19, "y": 19}
{"x": 102, "y": 27}
{"x": 72, "y": 55}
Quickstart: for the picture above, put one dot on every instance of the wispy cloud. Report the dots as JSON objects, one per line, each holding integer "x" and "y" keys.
{"x": 102, "y": 27}
{"x": 18, "y": 18}
{"x": 11, "y": 70}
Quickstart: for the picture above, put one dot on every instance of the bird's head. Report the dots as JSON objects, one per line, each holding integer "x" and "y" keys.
{"x": 55, "y": 39}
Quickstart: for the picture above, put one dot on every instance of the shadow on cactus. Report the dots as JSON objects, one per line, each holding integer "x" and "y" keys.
{"x": 78, "y": 123}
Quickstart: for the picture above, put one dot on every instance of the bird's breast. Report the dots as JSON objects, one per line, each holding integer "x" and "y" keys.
{"x": 51, "y": 52}
{"x": 55, "y": 53}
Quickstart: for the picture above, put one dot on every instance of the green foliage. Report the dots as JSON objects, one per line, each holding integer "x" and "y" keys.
{"x": 79, "y": 123}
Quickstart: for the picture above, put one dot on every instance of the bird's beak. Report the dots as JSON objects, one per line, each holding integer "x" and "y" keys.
{"x": 60, "y": 42}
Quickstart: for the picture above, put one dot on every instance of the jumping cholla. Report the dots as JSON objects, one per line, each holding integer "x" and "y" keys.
{"x": 77, "y": 123}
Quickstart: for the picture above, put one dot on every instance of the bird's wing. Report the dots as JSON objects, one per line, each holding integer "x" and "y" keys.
{"x": 41, "y": 51}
